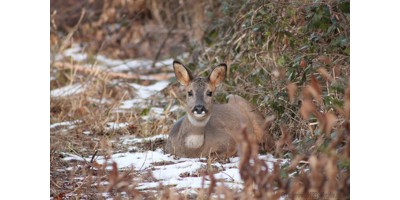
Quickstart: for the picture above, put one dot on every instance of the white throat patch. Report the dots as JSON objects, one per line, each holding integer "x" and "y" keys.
{"x": 194, "y": 141}
{"x": 197, "y": 123}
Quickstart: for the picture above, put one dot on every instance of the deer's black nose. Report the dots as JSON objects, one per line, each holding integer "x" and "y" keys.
{"x": 199, "y": 109}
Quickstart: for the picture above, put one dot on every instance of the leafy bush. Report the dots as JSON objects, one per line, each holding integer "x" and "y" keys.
{"x": 293, "y": 60}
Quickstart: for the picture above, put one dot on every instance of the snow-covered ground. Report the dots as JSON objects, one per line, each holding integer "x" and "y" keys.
{"x": 68, "y": 90}
{"x": 180, "y": 173}
{"x": 67, "y": 123}
{"x": 143, "y": 92}
{"x": 177, "y": 172}
{"x": 78, "y": 54}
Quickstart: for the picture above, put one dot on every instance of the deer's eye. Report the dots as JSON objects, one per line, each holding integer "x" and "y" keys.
{"x": 209, "y": 93}
{"x": 190, "y": 93}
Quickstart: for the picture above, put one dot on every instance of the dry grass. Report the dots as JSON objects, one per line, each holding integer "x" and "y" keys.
{"x": 309, "y": 176}
{"x": 94, "y": 109}
{"x": 307, "y": 91}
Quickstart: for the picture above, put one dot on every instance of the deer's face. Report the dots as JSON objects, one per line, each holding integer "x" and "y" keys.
{"x": 199, "y": 98}
{"x": 199, "y": 91}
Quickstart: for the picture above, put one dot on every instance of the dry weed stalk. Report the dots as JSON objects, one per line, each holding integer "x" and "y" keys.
{"x": 259, "y": 183}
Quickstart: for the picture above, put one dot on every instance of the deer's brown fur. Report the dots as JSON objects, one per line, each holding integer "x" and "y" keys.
{"x": 208, "y": 128}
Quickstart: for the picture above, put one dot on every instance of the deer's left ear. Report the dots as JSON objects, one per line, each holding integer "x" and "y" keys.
{"x": 218, "y": 75}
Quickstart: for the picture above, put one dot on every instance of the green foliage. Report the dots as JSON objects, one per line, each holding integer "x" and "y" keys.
{"x": 293, "y": 38}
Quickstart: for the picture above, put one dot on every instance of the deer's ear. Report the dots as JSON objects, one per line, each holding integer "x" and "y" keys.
{"x": 183, "y": 74}
{"x": 218, "y": 75}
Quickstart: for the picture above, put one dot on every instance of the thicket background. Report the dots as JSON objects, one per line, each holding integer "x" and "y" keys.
{"x": 290, "y": 58}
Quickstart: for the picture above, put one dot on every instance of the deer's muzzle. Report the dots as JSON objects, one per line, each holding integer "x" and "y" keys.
{"x": 199, "y": 111}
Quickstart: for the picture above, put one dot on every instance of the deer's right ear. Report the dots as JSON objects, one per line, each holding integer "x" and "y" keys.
{"x": 183, "y": 74}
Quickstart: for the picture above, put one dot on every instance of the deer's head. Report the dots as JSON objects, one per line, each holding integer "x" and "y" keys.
{"x": 199, "y": 91}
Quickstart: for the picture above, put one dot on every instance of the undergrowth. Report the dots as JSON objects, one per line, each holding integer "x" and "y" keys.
{"x": 290, "y": 58}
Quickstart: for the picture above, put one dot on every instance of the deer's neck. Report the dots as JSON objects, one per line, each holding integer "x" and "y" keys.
{"x": 194, "y": 137}
{"x": 198, "y": 124}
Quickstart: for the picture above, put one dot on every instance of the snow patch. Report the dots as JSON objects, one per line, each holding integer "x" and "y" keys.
{"x": 86, "y": 132}
{"x": 142, "y": 95}
{"x": 139, "y": 160}
{"x": 75, "y": 53}
{"x": 99, "y": 101}
{"x": 67, "y": 123}
{"x": 182, "y": 173}
{"x": 145, "y": 92}
{"x": 68, "y": 90}
{"x": 174, "y": 108}
{"x": 133, "y": 64}
{"x": 154, "y": 113}
{"x": 133, "y": 103}
{"x": 116, "y": 126}
{"x": 169, "y": 172}
{"x": 70, "y": 157}
{"x": 134, "y": 140}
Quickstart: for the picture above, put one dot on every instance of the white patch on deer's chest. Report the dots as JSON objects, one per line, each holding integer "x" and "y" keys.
{"x": 194, "y": 141}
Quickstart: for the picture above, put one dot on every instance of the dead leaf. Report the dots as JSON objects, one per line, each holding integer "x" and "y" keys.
{"x": 303, "y": 63}
{"x": 336, "y": 71}
{"x": 325, "y": 60}
{"x": 292, "y": 88}
{"x": 330, "y": 121}
{"x": 315, "y": 85}
{"x": 315, "y": 89}
{"x": 60, "y": 196}
{"x": 307, "y": 107}
{"x": 325, "y": 74}
{"x": 96, "y": 165}
{"x": 114, "y": 173}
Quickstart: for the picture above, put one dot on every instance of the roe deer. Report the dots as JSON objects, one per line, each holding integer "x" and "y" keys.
{"x": 207, "y": 128}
